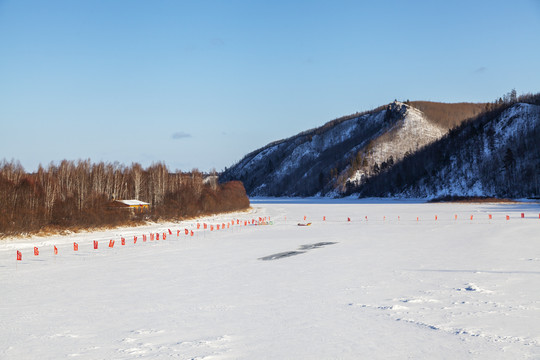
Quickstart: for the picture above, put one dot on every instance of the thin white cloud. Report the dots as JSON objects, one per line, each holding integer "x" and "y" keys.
{"x": 180, "y": 135}
{"x": 480, "y": 70}
{"x": 217, "y": 42}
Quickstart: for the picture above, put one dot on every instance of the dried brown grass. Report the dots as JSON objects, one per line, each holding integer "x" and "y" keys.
{"x": 448, "y": 115}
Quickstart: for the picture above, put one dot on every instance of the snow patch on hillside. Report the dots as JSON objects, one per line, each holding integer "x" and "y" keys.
{"x": 407, "y": 135}
{"x": 261, "y": 156}
{"x": 518, "y": 118}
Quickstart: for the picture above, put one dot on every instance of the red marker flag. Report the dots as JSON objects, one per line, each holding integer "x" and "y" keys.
{"x": 134, "y": 239}
{"x": 157, "y": 236}
{"x": 19, "y": 255}
{"x": 191, "y": 232}
{"x": 348, "y": 219}
{"x": 95, "y": 244}
{"x": 36, "y": 251}
{"x": 237, "y": 222}
{"x": 164, "y": 236}
{"x": 170, "y": 232}
{"x": 111, "y": 243}
{"x": 205, "y": 226}
{"x": 186, "y": 231}
{"x": 211, "y": 227}
{"x": 217, "y": 226}
{"x": 198, "y": 226}
{"x": 123, "y": 241}
{"x": 144, "y": 238}
{"x": 55, "y": 250}
{"x": 75, "y": 246}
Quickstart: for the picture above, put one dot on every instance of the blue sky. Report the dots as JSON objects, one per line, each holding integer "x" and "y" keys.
{"x": 199, "y": 84}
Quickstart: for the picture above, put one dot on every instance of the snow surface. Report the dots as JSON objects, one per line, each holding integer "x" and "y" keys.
{"x": 380, "y": 288}
{"x": 132, "y": 202}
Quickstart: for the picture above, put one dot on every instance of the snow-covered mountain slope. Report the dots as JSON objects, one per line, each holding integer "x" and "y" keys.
{"x": 411, "y": 132}
{"x": 322, "y": 160}
{"x": 497, "y": 154}
{"x": 500, "y": 155}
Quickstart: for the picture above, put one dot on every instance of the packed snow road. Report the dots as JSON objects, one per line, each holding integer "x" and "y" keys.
{"x": 409, "y": 281}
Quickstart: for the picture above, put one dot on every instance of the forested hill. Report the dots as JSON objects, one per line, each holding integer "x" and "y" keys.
{"x": 347, "y": 151}
{"x": 417, "y": 149}
{"x": 495, "y": 154}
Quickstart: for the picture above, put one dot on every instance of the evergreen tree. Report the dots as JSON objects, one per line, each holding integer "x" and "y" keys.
{"x": 509, "y": 160}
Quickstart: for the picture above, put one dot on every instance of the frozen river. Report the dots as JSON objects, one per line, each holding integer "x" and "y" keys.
{"x": 399, "y": 280}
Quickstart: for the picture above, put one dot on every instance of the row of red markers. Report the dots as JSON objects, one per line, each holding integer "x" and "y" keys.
{"x": 163, "y": 236}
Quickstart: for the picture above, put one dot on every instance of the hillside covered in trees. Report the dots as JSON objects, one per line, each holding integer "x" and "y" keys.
{"x": 494, "y": 154}
{"x": 77, "y": 195}
{"x": 410, "y": 149}
{"x": 345, "y": 151}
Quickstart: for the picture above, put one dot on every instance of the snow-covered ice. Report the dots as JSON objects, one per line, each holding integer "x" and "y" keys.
{"x": 380, "y": 288}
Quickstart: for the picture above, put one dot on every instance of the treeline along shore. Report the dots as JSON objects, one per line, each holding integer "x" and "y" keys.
{"x": 74, "y": 195}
